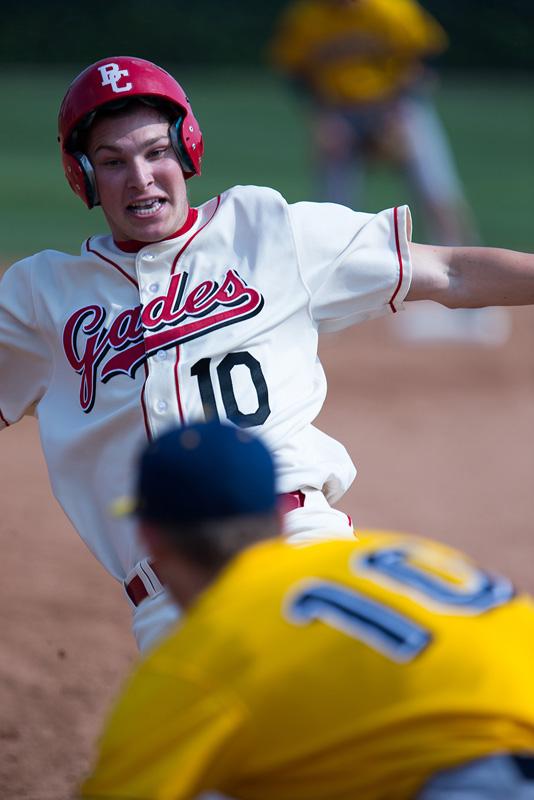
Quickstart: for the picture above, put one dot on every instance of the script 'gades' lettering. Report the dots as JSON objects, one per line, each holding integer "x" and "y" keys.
{"x": 99, "y": 352}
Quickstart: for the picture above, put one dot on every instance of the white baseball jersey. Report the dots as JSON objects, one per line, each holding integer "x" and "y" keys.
{"x": 112, "y": 347}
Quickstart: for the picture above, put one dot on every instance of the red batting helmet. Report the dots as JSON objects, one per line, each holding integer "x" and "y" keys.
{"x": 108, "y": 81}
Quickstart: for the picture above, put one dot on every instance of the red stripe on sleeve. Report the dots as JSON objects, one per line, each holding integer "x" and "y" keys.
{"x": 399, "y": 256}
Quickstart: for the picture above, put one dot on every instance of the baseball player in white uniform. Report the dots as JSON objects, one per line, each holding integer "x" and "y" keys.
{"x": 183, "y": 313}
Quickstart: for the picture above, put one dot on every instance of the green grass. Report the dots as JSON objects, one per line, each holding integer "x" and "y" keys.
{"x": 256, "y": 132}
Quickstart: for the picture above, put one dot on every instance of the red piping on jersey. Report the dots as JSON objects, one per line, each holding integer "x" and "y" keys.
{"x": 174, "y": 263}
{"x": 143, "y": 404}
{"x": 132, "y": 280}
{"x": 399, "y": 256}
{"x": 113, "y": 264}
{"x": 177, "y": 385}
{"x": 4, "y": 420}
{"x": 133, "y": 245}
{"x": 195, "y": 234}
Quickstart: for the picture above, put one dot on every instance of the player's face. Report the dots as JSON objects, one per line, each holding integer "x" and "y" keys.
{"x": 140, "y": 182}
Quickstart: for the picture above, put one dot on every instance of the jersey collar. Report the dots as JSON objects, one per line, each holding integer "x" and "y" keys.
{"x": 133, "y": 246}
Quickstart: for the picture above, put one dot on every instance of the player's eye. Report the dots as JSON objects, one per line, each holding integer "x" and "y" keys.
{"x": 158, "y": 152}
{"x": 111, "y": 162}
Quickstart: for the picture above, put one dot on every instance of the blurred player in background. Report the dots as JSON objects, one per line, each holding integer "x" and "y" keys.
{"x": 391, "y": 667}
{"x": 361, "y": 64}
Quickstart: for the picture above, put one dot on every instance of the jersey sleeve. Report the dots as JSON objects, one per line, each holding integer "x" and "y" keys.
{"x": 355, "y": 266}
{"x": 25, "y": 357}
{"x": 168, "y": 736}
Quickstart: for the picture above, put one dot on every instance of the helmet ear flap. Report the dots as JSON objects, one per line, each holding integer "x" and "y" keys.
{"x": 182, "y": 154}
{"x": 81, "y": 177}
{"x": 91, "y": 191}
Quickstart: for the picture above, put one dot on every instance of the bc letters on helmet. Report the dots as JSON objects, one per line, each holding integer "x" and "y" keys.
{"x": 111, "y": 80}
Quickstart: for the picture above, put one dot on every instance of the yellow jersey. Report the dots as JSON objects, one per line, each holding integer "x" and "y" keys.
{"x": 355, "y": 52}
{"x": 332, "y": 671}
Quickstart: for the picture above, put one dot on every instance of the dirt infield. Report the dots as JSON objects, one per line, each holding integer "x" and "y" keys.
{"x": 443, "y": 438}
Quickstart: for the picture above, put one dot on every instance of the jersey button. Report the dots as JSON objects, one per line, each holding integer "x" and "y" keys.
{"x": 153, "y": 288}
{"x": 148, "y": 257}
{"x": 161, "y": 355}
{"x": 161, "y": 405}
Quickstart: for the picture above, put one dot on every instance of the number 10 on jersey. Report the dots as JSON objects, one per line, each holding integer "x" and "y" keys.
{"x": 202, "y": 371}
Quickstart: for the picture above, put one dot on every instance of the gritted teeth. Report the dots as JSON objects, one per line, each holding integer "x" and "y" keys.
{"x": 146, "y": 203}
{"x": 146, "y": 208}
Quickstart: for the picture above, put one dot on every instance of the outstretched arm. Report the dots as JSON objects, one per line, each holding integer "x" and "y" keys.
{"x": 25, "y": 358}
{"x": 471, "y": 277}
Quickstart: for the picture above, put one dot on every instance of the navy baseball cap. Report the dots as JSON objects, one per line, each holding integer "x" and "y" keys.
{"x": 203, "y": 471}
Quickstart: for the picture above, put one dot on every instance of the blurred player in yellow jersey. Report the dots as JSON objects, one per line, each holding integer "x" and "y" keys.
{"x": 385, "y": 669}
{"x": 362, "y": 66}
